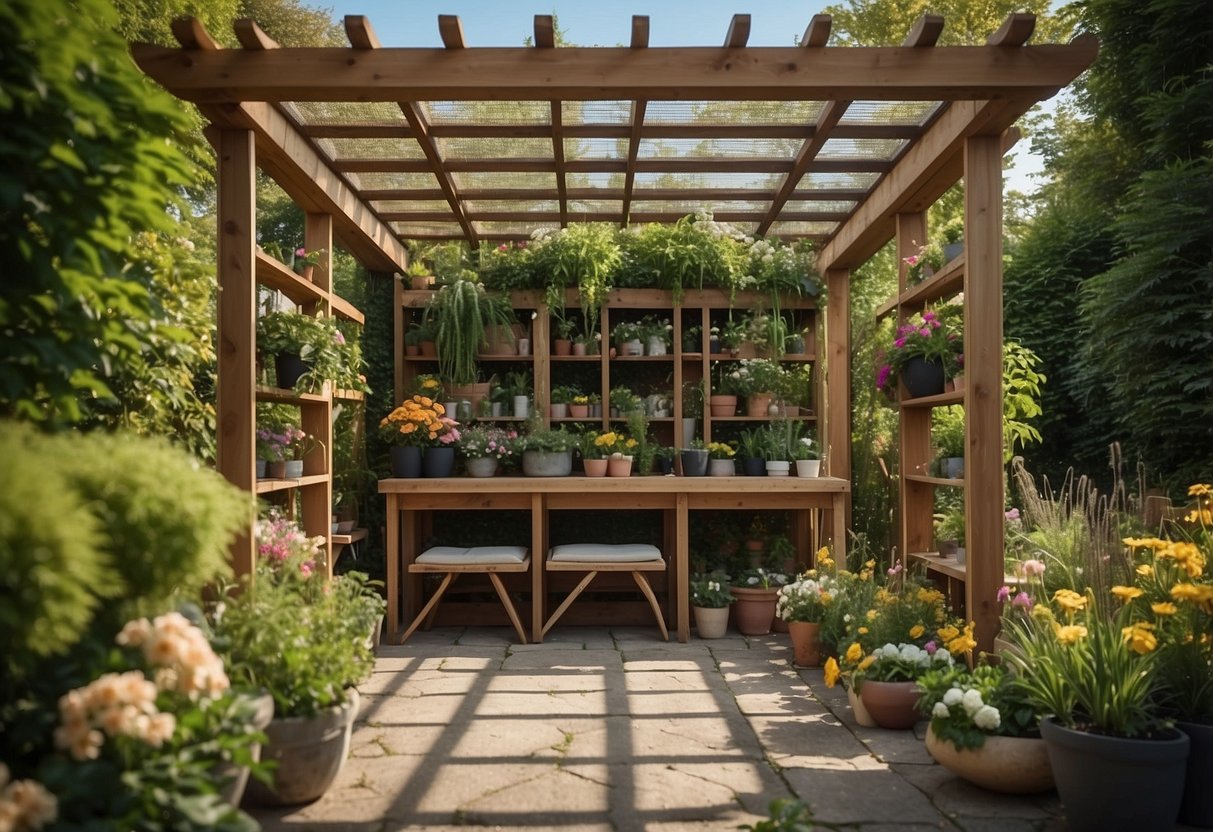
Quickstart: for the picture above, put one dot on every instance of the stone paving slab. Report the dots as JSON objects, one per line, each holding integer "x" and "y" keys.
{"x": 604, "y": 729}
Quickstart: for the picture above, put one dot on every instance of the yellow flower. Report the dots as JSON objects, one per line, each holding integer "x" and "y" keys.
{"x": 963, "y": 643}
{"x": 929, "y": 596}
{"x": 854, "y": 653}
{"x": 1164, "y": 608}
{"x": 917, "y": 630}
{"x": 1140, "y": 637}
{"x": 1126, "y": 593}
{"x": 832, "y": 672}
{"x": 1145, "y": 570}
{"x": 1201, "y": 594}
{"x": 823, "y": 556}
{"x": 871, "y": 615}
{"x": 1069, "y": 600}
{"x": 1145, "y": 542}
{"x": 1187, "y": 556}
{"x": 863, "y": 631}
{"x": 866, "y": 663}
{"x": 1199, "y": 515}
{"x": 948, "y": 633}
{"x": 1071, "y": 633}
{"x": 1200, "y": 489}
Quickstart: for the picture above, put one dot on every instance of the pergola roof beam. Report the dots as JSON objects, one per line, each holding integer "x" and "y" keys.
{"x": 252, "y": 36}
{"x": 612, "y": 131}
{"x": 545, "y": 38}
{"x": 894, "y": 73}
{"x": 818, "y": 32}
{"x": 640, "y": 40}
{"x": 663, "y": 194}
{"x": 1015, "y": 30}
{"x": 450, "y": 29}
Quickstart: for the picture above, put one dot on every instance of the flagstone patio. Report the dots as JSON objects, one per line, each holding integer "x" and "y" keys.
{"x": 615, "y": 730}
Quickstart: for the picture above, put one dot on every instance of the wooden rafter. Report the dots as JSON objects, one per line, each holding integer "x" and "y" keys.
{"x": 363, "y": 38}
{"x": 894, "y": 73}
{"x": 640, "y": 40}
{"x": 545, "y": 38}
{"x": 366, "y": 130}
{"x": 450, "y": 29}
{"x": 251, "y": 36}
{"x": 1015, "y": 30}
{"x": 739, "y": 32}
{"x": 657, "y": 164}
{"x": 607, "y": 216}
{"x": 817, "y": 34}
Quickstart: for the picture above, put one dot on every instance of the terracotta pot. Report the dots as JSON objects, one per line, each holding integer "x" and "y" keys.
{"x": 276, "y": 469}
{"x": 595, "y": 467}
{"x": 619, "y": 466}
{"x": 722, "y": 405}
{"x": 806, "y": 642}
{"x": 429, "y": 349}
{"x": 562, "y": 347}
{"x": 579, "y": 411}
{"x": 1011, "y": 765}
{"x": 778, "y": 625}
{"x": 711, "y": 622}
{"x": 758, "y": 405}
{"x": 418, "y": 282}
{"x": 473, "y": 393}
{"x": 412, "y": 350}
{"x": 862, "y": 717}
{"x": 891, "y": 704}
{"x": 754, "y": 610}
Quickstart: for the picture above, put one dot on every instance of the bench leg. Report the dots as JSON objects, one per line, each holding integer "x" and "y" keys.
{"x": 430, "y": 606}
{"x": 643, "y": 583}
{"x": 567, "y": 602}
{"x": 509, "y": 606}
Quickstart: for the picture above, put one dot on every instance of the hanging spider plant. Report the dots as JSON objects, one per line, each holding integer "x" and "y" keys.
{"x": 461, "y": 311}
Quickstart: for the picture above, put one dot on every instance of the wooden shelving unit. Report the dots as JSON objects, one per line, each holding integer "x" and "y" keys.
{"x": 699, "y": 307}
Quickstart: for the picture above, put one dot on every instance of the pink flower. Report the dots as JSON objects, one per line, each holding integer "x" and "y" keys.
{"x": 1004, "y": 594}
{"x": 1012, "y": 514}
{"x": 1022, "y": 600}
{"x": 930, "y": 647}
{"x": 894, "y": 570}
{"x": 1033, "y": 568}
{"x": 912, "y": 260}
{"x": 306, "y": 568}
{"x": 338, "y": 337}
{"x": 301, "y": 252}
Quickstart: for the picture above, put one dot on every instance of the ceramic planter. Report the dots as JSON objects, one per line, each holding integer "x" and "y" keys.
{"x": 954, "y": 467}
{"x": 294, "y": 469}
{"x": 808, "y": 467}
{"x": 1114, "y": 784}
{"x": 595, "y": 467}
{"x": 721, "y": 468}
{"x": 547, "y": 464}
{"x": 579, "y": 411}
{"x": 261, "y": 468}
{"x": 722, "y": 406}
{"x": 406, "y": 462}
{"x": 754, "y": 609}
{"x": 619, "y": 466}
{"x": 522, "y": 407}
{"x": 892, "y": 704}
{"x": 778, "y": 467}
{"x": 922, "y": 377}
{"x": 656, "y": 346}
{"x": 234, "y": 777}
{"x": 1010, "y": 765}
{"x": 562, "y": 347}
{"x": 754, "y": 466}
{"x": 694, "y": 462}
{"x": 862, "y": 717}
{"x": 758, "y": 405}
{"x": 309, "y": 751}
{"x": 711, "y": 622}
{"x": 289, "y": 368}
{"x": 558, "y": 410}
{"x": 486, "y": 466}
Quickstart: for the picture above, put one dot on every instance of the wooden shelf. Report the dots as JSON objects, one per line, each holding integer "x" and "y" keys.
{"x": 279, "y": 395}
{"x": 347, "y": 310}
{"x": 346, "y": 539}
{"x": 939, "y": 400}
{"x": 806, "y": 417}
{"x": 527, "y": 358}
{"x": 266, "y": 486}
{"x": 349, "y": 395}
{"x": 942, "y": 481}
{"x": 946, "y": 282}
{"x": 274, "y": 274}
{"x": 576, "y": 358}
{"x": 655, "y": 359}
{"x": 692, "y": 356}
{"x": 935, "y": 563}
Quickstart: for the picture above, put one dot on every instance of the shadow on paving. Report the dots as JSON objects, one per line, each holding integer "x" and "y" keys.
{"x": 613, "y": 729}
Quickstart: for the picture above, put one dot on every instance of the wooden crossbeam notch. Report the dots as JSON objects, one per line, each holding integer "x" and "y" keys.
{"x": 925, "y": 32}
{"x": 545, "y": 31}
{"x": 191, "y": 34}
{"x": 252, "y": 36}
{"x": 739, "y": 32}
{"x": 358, "y": 30}
{"x": 640, "y": 40}
{"x": 1014, "y": 31}
{"x": 817, "y": 34}
{"x": 451, "y": 30}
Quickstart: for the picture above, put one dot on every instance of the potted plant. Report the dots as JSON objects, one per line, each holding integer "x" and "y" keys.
{"x": 593, "y": 453}
{"x": 984, "y": 729}
{"x": 710, "y": 600}
{"x": 562, "y": 396}
{"x": 692, "y": 408}
{"x": 767, "y": 332}
{"x": 618, "y": 449}
{"x": 952, "y": 235}
{"x": 948, "y": 436}
{"x": 420, "y": 424}
{"x": 889, "y": 684}
{"x": 950, "y": 533}
{"x": 803, "y": 604}
{"x": 720, "y": 459}
{"x": 920, "y": 352}
{"x": 694, "y": 458}
{"x": 1095, "y": 672}
{"x": 656, "y": 334}
{"x": 782, "y": 446}
{"x": 757, "y": 380}
{"x": 756, "y": 592}
{"x": 484, "y": 448}
{"x": 518, "y": 385}
{"x": 306, "y": 349}
{"x": 420, "y": 275}
{"x": 752, "y": 448}
{"x": 663, "y": 457}
{"x": 564, "y": 328}
{"x": 461, "y": 311}
{"x": 584, "y": 254}
{"x": 629, "y": 338}
{"x": 547, "y": 453}
{"x": 807, "y": 457}
{"x": 307, "y": 261}
{"x": 305, "y": 640}
{"x": 623, "y": 401}
{"x": 692, "y": 339}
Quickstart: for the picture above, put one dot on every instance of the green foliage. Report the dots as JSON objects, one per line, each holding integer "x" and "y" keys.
{"x": 1021, "y": 383}
{"x": 948, "y": 430}
{"x": 54, "y": 570}
{"x": 691, "y": 253}
{"x": 557, "y": 440}
{"x": 857, "y": 22}
{"x": 91, "y": 160}
{"x": 785, "y": 816}
{"x": 711, "y": 590}
{"x": 303, "y": 641}
{"x": 958, "y": 717}
{"x": 462, "y": 311}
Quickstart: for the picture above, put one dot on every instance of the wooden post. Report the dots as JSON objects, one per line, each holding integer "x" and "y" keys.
{"x": 917, "y": 498}
{"x": 236, "y": 407}
{"x": 398, "y": 339}
{"x": 835, "y": 433}
{"x": 317, "y": 417}
{"x": 984, "y": 499}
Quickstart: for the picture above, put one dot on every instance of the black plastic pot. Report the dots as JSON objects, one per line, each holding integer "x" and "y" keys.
{"x": 922, "y": 377}
{"x": 289, "y": 368}
{"x": 694, "y": 463}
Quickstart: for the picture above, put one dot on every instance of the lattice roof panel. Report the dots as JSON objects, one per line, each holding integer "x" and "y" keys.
{"x": 781, "y": 138}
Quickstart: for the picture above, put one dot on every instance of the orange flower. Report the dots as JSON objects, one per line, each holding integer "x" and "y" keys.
{"x": 1126, "y": 593}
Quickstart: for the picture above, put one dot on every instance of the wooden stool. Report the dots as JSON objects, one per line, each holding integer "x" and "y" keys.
{"x": 452, "y": 562}
{"x": 592, "y": 558}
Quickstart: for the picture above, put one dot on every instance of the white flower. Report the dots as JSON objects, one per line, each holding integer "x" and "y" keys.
{"x": 972, "y": 701}
{"x": 941, "y": 710}
{"x": 987, "y": 718}
{"x": 943, "y": 656}
{"x": 953, "y": 696}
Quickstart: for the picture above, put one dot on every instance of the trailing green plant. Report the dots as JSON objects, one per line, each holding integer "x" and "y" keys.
{"x": 509, "y": 266}
{"x": 318, "y": 342}
{"x": 585, "y": 255}
{"x": 462, "y": 310}
{"x": 691, "y": 253}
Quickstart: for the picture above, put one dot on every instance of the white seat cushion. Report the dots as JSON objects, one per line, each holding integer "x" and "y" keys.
{"x": 456, "y": 556}
{"x": 605, "y": 553}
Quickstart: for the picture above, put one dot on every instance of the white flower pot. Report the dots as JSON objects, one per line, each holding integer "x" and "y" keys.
{"x": 808, "y": 467}
{"x": 483, "y": 467}
{"x": 778, "y": 468}
{"x": 522, "y": 406}
{"x": 656, "y": 346}
{"x": 524, "y": 346}
{"x": 721, "y": 468}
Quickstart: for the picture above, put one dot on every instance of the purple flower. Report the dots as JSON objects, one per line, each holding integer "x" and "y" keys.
{"x": 1004, "y": 594}
{"x": 1022, "y": 600}
{"x": 338, "y": 337}
{"x": 1012, "y": 514}
{"x": 930, "y": 647}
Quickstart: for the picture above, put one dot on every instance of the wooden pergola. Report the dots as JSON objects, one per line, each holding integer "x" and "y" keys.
{"x": 847, "y": 146}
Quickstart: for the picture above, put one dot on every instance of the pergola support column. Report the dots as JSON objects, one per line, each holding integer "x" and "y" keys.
{"x": 835, "y": 436}
{"x": 317, "y": 417}
{"x": 236, "y": 407}
{"x": 983, "y": 375}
